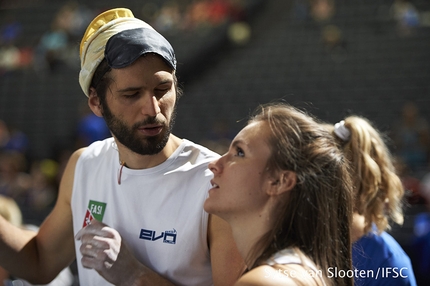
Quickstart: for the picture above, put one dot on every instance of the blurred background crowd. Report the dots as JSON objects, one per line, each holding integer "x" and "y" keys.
{"x": 331, "y": 57}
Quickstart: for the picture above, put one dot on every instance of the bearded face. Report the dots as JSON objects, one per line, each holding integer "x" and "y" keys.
{"x": 131, "y": 137}
{"x": 139, "y": 104}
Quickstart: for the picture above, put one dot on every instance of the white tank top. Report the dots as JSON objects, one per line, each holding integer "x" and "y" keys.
{"x": 312, "y": 276}
{"x": 158, "y": 211}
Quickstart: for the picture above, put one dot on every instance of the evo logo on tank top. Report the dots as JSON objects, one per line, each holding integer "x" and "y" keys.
{"x": 168, "y": 236}
{"x": 95, "y": 210}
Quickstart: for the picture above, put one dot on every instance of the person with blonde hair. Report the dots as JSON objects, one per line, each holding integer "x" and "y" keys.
{"x": 378, "y": 203}
{"x": 10, "y": 210}
{"x": 285, "y": 188}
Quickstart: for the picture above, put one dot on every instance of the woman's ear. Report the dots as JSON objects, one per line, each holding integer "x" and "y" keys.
{"x": 94, "y": 102}
{"x": 283, "y": 182}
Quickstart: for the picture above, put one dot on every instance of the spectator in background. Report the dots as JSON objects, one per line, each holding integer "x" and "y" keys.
{"x": 411, "y": 136}
{"x": 168, "y": 17}
{"x": 411, "y": 183}
{"x": 379, "y": 194}
{"x": 406, "y": 15}
{"x": 40, "y": 196}
{"x": 14, "y": 179}
{"x": 90, "y": 127}
{"x": 53, "y": 50}
{"x": 421, "y": 237}
{"x": 9, "y": 52}
{"x": 10, "y": 210}
{"x": 18, "y": 140}
{"x": 421, "y": 247}
{"x": 4, "y": 135}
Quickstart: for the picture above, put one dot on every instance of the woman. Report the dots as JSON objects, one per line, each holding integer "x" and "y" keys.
{"x": 379, "y": 193}
{"x": 285, "y": 189}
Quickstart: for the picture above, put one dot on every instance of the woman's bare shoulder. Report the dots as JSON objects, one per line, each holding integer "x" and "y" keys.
{"x": 289, "y": 274}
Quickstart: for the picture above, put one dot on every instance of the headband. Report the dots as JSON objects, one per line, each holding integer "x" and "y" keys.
{"x": 120, "y": 38}
{"x": 341, "y": 131}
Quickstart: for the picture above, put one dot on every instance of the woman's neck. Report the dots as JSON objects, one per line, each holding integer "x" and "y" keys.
{"x": 247, "y": 232}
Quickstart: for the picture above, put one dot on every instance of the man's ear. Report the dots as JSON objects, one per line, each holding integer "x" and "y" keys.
{"x": 283, "y": 182}
{"x": 94, "y": 102}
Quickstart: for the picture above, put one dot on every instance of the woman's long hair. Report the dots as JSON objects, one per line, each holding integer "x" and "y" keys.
{"x": 378, "y": 190}
{"x": 317, "y": 216}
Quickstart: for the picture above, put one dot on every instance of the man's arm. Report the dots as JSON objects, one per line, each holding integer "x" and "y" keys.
{"x": 39, "y": 257}
{"x": 227, "y": 264}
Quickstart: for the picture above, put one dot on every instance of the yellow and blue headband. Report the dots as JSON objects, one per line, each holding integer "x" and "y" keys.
{"x": 120, "y": 38}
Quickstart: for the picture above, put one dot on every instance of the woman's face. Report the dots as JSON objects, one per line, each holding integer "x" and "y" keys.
{"x": 240, "y": 179}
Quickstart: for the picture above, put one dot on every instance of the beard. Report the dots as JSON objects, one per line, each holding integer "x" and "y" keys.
{"x": 129, "y": 136}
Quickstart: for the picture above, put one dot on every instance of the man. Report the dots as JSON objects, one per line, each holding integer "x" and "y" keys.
{"x": 134, "y": 202}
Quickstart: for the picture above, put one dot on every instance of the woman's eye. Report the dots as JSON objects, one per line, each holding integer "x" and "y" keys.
{"x": 239, "y": 152}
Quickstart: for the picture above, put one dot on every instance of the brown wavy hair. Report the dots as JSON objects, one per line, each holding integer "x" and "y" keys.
{"x": 317, "y": 216}
{"x": 378, "y": 190}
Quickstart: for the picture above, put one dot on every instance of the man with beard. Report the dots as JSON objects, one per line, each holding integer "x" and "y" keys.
{"x": 130, "y": 208}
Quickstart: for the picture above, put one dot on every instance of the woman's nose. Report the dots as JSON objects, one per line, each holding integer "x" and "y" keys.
{"x": 213, "y": 166}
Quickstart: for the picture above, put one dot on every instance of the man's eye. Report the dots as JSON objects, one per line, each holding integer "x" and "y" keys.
{"x": 130, "y": 95}
{"x": 161, "y": 92}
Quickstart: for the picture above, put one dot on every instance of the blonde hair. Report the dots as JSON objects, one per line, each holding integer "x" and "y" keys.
{"x": 10, "y": 211}
{"x": 378, "y": 189}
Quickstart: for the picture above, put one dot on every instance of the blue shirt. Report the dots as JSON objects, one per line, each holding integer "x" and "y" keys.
{"x": 380, "y": 260}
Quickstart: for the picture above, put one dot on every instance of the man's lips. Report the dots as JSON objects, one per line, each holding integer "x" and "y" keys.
{"x": 151, "y": 130}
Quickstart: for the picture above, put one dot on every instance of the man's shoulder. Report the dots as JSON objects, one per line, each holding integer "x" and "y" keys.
{"x": 97, "y": 149}
{"x": 192, "y": 148}
{"x": 98, "y": 146}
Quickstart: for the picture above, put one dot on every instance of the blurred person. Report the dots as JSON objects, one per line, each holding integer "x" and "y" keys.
{"x": 90, "y": 128}
{"x": 52, "y": 51}
{"x": 420, "y": 247}
{"x": 130, "y": 208}
{"x": 322, "y": 10}
{"x": 424, "y": 189}
{"x": 9, "y": 58}
{"x": 4, "y": 135}
{"x": 17, "y": 141}
{"x": 14, "y": 179}
{"x": 40, "y": 196}
{"x": 378, "y": 202}
{"x": 285, "y": 189}
{"x": 169, "y": 17}
{"x": 9, "y": 51}
{"x": 421, "y": 237}
{"x": 406, "y": 15}
{"x": 411, "y": 183}
{"x": 411, "y": 136}
{"x": 10, "y": 210}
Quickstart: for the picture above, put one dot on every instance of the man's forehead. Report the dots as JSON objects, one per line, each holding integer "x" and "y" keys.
{"x": 152, "y": 68}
